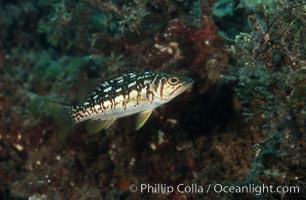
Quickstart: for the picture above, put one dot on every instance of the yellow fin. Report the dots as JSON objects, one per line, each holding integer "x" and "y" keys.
{"x": 95, "y": 126}
{"x": 142, "y": 118}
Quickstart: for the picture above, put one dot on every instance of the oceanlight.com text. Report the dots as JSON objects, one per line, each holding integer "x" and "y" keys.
{"x": 216, "y": 188}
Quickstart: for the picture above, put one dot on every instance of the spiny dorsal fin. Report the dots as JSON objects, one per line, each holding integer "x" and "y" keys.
{"x": 95, "y": 126}
{"x": 119, "y": 72}
{"x": 142, "y": 118}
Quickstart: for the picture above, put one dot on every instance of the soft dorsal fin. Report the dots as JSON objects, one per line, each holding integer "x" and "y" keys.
{"x": 87, "y": 88}
{"x": 95, "y": 126}
{"x": 142, "y": 118}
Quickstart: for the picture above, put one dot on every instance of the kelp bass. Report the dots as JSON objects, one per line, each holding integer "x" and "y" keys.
{"x": 125, "y": 95}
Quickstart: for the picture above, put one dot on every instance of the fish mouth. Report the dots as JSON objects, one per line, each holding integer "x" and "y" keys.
{"x": 186, "y": 86}
{"x": 181, "y": 89}
{"x": 189, "y": 84}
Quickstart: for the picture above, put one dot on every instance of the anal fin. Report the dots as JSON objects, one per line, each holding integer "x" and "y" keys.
{"x": 95, "y": 126}
{"x": 142, "y": 118}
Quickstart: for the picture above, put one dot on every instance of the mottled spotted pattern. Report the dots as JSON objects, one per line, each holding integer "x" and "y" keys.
{"x": 129, "y": 94}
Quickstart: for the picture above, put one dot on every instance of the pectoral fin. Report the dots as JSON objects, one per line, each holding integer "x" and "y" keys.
{"x": 142, "y": 118}
{"x": 95, "y": 126}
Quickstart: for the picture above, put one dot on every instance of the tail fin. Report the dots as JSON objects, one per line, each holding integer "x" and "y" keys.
{"x": 62, "y": 115}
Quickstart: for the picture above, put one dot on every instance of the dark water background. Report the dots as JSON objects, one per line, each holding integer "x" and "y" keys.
{"x": 243, "y": 122}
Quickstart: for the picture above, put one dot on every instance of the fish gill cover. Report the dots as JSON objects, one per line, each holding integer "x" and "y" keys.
{"x": 242, "y": 123}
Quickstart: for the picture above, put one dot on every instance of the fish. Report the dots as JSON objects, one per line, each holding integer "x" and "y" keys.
{"x": 126, "y": 94}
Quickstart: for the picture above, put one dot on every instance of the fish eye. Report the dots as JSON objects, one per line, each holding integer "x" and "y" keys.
{"x": 173, "y": 80}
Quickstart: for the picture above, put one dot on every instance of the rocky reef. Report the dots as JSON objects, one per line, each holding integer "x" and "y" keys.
{"x": 243, "y": 122}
